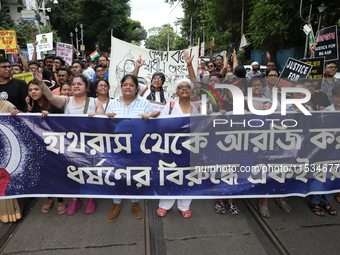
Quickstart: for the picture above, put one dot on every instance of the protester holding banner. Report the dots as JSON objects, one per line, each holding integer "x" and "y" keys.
{"x": 156, "y": 91}
{"x": 79, "y": 103}
{"x": 129, "y": 103}
{"x": 37, "y": 102}
{"x": 10, "y": 209}
{"x": 183, "y": 106}
{"x": 102, "y": 86}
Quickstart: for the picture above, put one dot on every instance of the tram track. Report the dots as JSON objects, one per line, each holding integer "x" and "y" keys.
{"x": 14, "y": 226}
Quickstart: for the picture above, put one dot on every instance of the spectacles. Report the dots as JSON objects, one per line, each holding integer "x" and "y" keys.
{"x": 76, "y": 67}
{"x": 270, "y": 65}
{"x": 183, "y": 87}
{"x": 33, "y": 67}
{"x": 77, "y": 84}
{"x": 331, "y": 67}
{"x": 100, "y": 70}
{"x": 309, "y": 86}
{"x": 272, "y": 76}
{"x": 210, "y": 66}
{"x": 62, "y": 75}
{"x": 4, "y": 67}
{"x": 57, "y": 62}
{"x": 102, "y": 60}
{"x": 157, "y": 78}
{"x": 129, "y": 85}
{"x": 256, "y": 85}
{"x": 102, "y": 86}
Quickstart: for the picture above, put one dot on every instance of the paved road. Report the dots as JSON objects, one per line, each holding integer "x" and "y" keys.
{"x": 298, "y": 232}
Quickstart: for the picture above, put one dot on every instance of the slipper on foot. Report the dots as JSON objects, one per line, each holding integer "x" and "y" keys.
{"x": 186, "y": 214}
{"x": 62, "y": 208}
{"x": 46, "y": 207}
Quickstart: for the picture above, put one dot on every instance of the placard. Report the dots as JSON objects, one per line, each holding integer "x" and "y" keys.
{"x": 327, "y": 43}
{"x": 8, "y": 41}
{"x": 292, "y": 72}
{"x": 318, "y": 67}
{"x": 65, "y": 51}
{"x": 45, "y": 42}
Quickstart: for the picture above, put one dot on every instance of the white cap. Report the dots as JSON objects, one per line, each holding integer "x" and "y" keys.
{"x": 254, "y": 63}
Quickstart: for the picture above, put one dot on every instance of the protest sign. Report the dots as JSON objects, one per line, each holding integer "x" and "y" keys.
{"x": 65, "y": 51}
{"x": 171, "y": 63}
{"x": 8, "y": 41}
{"x": 220, "y": 156}
{"x": 26, "y": 77}
{"x": 292, "y": 71}
{"x": 327, "y": 43}
{"x": 45, "y": 42}
{"x": 316, "y": 74}
{"x": 30, "y": 50}
{"x": 202, "y": 50}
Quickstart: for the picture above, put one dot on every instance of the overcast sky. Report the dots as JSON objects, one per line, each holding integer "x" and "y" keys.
{"x": 154, "y": 13}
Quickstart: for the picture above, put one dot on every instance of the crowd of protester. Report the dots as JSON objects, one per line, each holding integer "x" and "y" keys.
{"x": 83, "y": 88}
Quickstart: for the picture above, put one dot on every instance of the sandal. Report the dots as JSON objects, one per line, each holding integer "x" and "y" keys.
{"x": 328, "y": 208}
{"x": 47, "y": 207}
{"x": 232, "y": 209}
{"x": 264, "y": 211}
{"x": 62, "y": 208}
{"x": 337, "y": 197}
{"x": 161, "y": 212}
{"x": 283, "y": 205}
{"x": 316, "y": 209}
{"x": 219, "y": 207}
{"x": 186, "y": 214}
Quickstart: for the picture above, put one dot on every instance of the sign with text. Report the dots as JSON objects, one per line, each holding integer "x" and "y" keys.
{"x": 292, "y": 72}
{"x": 26, "y": 77}
{"x": 327, "y": 43}
{"x": 316, "y": 74}
{"x": 8, "y": 41}
{"x": 65, "y": 51}
{"x": 171, "y": 63}
{"x": 216, "y": 156}
{"x": 45, "y": 42}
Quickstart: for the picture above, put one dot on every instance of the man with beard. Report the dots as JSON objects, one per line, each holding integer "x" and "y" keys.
{"x": 104, "y": 62}
{"x": 254, "y": 71}
{"x": 11, "y": 89}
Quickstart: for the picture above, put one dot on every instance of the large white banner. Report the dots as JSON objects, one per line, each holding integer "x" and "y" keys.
{"x": 171, "y": 63}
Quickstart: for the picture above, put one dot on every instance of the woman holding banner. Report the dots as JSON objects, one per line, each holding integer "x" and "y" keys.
{"x": 129, "y": 103}
{"x": 183, "y": 106}
{"x": 79, "y": 103}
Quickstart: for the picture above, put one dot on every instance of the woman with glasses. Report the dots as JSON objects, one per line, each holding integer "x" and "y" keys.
{"x": 102, "y": 89}
{"x": 156, "y": 92}
{"x": 79, "y": 103}
{"x": 129, "y": 103}
{"x": 183, "y": 106}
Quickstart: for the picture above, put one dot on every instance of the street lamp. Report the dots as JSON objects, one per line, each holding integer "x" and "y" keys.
{"x": 321, "y": 9}
{"x": 82, "y": 40}
{"x": 307, "y": 21}
{"x": 76, "y": 30}
{"x": 71, "y": 34}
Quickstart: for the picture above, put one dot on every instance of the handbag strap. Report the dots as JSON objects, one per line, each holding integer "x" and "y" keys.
{"x": 86, "y": 107}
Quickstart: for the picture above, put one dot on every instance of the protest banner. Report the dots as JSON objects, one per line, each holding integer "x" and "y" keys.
{"x": 292, "y": 72}
{"x": 45, "y": 42}
{"x": 65, "y": 51}
{"x": 26, "y": 77}
{"x": 327, "y": 43}
{"x": 171, "y": 63}
{"x": 8, "y": 41}
{"x": 318, "y": 68}
{"x": 216, "y": 156}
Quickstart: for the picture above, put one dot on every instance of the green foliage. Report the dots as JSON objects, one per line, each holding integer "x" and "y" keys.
{"x": 160, "y": 38}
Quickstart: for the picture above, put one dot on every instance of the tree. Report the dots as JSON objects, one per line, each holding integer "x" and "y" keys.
{"x": 98, "y": 17}
{"x": 160, "y": 37}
